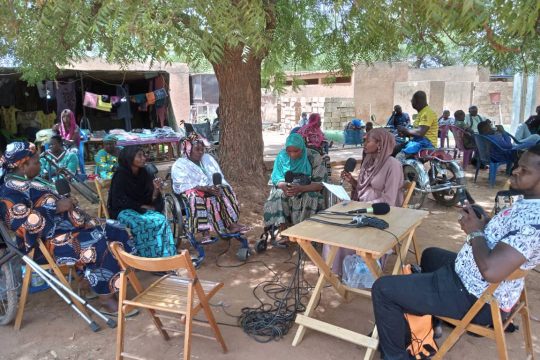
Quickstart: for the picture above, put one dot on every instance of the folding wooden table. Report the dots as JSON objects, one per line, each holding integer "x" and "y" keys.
{"x": 369, "y": 243}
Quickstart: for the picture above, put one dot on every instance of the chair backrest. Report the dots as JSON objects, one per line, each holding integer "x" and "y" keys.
{"x": 126, "y": 260}
{"x": 204, "y": 129}
{"x": 483, "y": 145}
{"x": 408, "y": 187}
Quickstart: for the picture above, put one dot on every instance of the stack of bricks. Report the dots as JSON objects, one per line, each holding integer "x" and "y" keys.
{"x": 335, "y": 112}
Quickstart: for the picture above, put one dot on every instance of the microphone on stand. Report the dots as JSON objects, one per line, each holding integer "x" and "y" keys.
{"x": 376, "y": 209}
{"x": 350, "y": 164}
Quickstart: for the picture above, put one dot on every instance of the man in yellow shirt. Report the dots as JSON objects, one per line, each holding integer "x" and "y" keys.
{"x": 425, "y": 128}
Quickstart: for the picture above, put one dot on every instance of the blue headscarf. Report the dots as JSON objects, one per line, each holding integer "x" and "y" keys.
{"x": 357, "y": 123}
{"x": 284, "y": 163}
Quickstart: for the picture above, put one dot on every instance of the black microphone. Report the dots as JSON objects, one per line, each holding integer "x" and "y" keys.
{"x": 289, "y": 177}
{"x": 350, "y": 164}
{"x": 151, "y": 169}
{"x": 376, "y": 209}
{"x": 62, "y": 187}
{"x": 217, "y": 179}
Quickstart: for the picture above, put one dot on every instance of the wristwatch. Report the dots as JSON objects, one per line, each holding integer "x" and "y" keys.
{"x": 473, "y": 235}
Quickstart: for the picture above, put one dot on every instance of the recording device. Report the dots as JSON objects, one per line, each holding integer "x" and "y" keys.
{"x": 362, "y": 220}
{"x": 376, "y": 209}
{"x": 289, "y": 178}
{"x": 350, "y": 164}
{"x": 217, "y": 179}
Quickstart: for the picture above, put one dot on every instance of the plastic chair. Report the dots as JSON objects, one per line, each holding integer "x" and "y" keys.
{"x": 458, "y": 138}
{"x": 172, "y": 294}
{"x": 484, "y": 145}
{"x": 497, "y": 333}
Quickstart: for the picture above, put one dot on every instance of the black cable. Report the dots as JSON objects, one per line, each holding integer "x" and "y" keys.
{"x": 271, "y": 321}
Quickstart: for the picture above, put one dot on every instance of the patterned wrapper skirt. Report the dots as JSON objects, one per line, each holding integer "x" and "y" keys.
{"x": 88, "y": 250}
{"x": 151, "y": 232}
{"x": 212, "y": 213}
{"x": 281, "y": 209}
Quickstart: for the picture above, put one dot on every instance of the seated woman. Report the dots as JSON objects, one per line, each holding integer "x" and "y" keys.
{"x": 57, "y": 157}
{"x": 106, "y": 159}
{"x": 313, "y": 135}
{"x": 135, "y": 200}
{"x": 32, "y": 209}
{"x": 289, "y": 204}
{"x": 212, "y": 208}
{"x": 380, "y": 179}
{"x": 67, "y": 128}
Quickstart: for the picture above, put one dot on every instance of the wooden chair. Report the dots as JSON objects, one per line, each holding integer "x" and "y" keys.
{"x": 408, "y": 188}
{"x": 497, "y": 333}
{"x": 184, "y": 296}
{"x": 101, "y": 186}
{"x": 58, "y": 270}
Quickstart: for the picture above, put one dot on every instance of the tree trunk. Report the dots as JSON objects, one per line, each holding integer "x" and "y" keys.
{"x": 241, "y": 143}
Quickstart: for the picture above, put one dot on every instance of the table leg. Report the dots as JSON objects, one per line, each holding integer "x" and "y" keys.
{"x": 316, "y": 291}
{"x": 402, "y": 252}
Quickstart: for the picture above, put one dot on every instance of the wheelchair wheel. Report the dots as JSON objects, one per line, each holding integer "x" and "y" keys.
{"x": 8, "y": 292}
{"x": 173, "y": 213}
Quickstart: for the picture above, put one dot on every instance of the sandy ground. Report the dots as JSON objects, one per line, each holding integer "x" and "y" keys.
{"x": 51, "y": 331}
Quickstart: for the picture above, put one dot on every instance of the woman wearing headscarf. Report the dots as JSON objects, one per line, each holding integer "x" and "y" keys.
{"x": 380, "y": 179}
{"x": 312, "y": 133}
{"x": 106, "y": 159}
{"x": 32, "y": 209}
{"x": 212, "y": 207}
{"x": 67, "y": 128}
{"x": 135, "y": 200}
{"x": 291, "y": 203}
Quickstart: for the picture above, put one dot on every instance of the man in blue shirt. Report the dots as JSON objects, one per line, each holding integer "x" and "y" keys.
{"x": 398, "y": 118}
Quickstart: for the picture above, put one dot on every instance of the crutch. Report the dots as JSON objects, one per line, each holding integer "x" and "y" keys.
{"x": 57, "y": 286}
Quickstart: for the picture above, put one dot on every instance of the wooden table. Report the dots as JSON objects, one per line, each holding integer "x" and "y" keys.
{"x": 168, "y": 154}
{"x": 369, "y": 243}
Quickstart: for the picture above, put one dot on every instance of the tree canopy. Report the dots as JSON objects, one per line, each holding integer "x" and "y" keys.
{"x": 249, "y": 40}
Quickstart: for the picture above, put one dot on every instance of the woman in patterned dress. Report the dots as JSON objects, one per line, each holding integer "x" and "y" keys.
{"x": 215, "y": 208}
{"x": 135, "y": 200}
{"x": 106, "y": 159}
{"x": 32, "y": 209}
{"x": 289, "y": 204}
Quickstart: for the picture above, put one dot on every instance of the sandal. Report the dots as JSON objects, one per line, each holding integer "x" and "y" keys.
{"x": 283, "y": 243}
{"x": 208, "y": 240}
{"x": 108, "y": 313}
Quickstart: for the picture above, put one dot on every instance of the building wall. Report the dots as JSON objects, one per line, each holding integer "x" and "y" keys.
{"x": 481, "y": 98}
{"x": 374, "y": 89}
{"x": 450, "y": 73}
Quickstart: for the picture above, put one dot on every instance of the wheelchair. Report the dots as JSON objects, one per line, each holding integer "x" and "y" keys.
{"x": 177, "y": 212}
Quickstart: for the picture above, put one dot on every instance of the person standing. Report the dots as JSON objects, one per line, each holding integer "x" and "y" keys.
{"x": 303, "y": 120}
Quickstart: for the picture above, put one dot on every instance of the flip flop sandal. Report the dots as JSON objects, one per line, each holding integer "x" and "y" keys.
{"x": 282, "y": 244}
{"x": 87, "y": 294}
{"x": 115, "y": 313}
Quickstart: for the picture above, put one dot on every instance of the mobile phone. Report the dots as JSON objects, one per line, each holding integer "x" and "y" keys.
{"x": 478, "y": 210}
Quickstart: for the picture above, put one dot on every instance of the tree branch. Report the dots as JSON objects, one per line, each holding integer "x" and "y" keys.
{"x": 496, "y": 45}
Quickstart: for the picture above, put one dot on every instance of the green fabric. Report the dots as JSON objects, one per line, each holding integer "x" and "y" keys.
{"x": 106, "y": 164}
{"x": 110, "y": 138}
{"x": 284, "y": 163}
{"x": 281, "y": 209}
{"x": 68, "y": 160}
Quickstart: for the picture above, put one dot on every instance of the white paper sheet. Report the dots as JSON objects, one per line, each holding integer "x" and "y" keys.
{"x": 338, "y": 190}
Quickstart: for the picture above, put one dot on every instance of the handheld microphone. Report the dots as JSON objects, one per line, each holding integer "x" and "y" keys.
{"x": 289, "y": 177}
{"x": 217, "y": 179}
{"x": 151, "y": 169}
{"x": 62, "y": 187}
{"x": 350, "y": 164}
{"x": 376, "y": 209}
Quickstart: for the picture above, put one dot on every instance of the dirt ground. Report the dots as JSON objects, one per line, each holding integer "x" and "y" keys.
{"x": 52, "y": 331}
